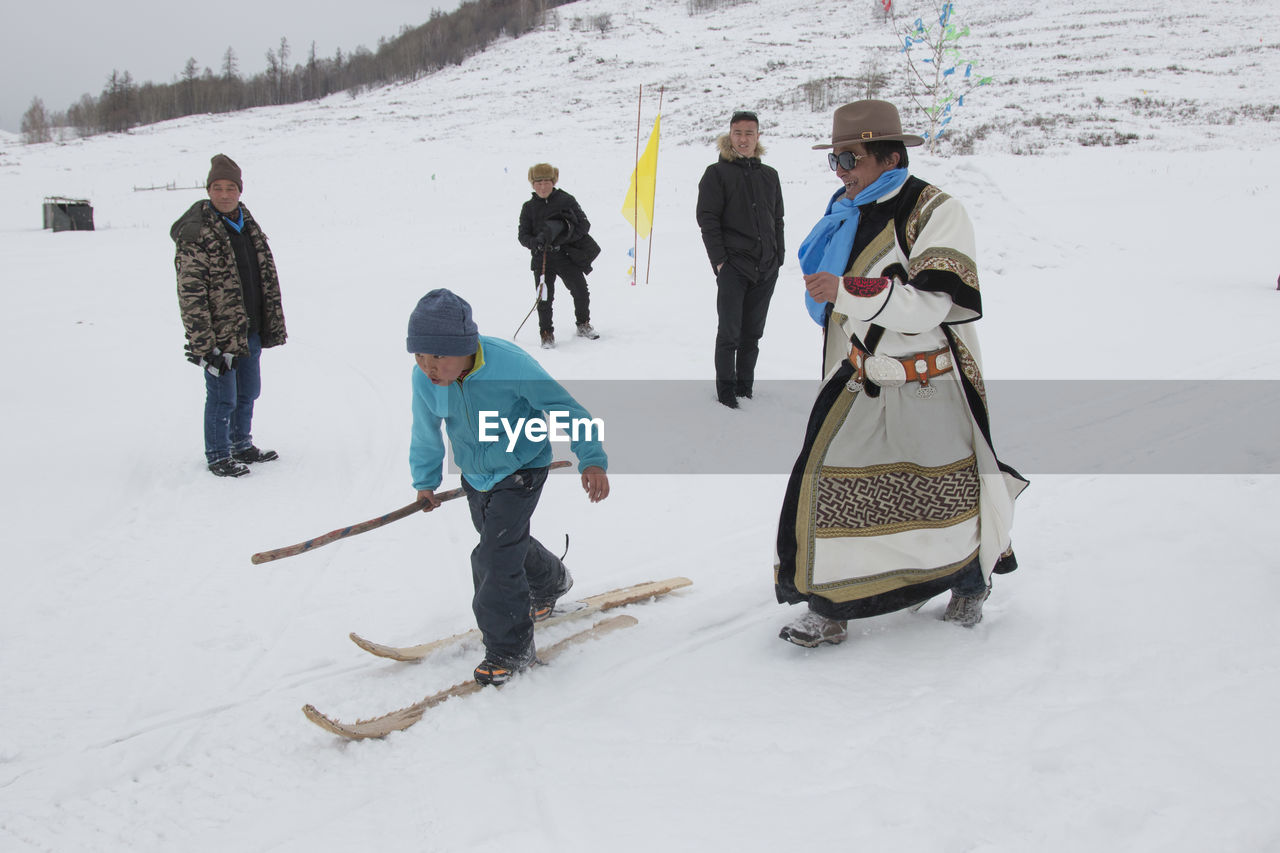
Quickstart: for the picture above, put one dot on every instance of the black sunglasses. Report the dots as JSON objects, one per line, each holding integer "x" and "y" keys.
{"x": 846, "y": 160}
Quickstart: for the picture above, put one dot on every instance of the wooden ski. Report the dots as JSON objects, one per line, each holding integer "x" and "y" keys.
{"x": 403, "y": 718}
{"x": 579, "y": 610}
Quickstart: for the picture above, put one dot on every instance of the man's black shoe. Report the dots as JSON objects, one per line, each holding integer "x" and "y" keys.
{"x": 228, "y": 468}
{"x": 253, "y": 454}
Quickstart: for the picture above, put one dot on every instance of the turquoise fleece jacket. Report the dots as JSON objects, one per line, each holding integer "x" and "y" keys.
{"x": 507, "y": 384}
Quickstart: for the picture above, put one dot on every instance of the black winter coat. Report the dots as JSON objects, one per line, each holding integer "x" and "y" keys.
{"x": 740, "y": 213}
{"x": 558, "y": 224}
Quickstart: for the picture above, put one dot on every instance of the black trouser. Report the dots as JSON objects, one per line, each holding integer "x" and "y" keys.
{"x": 559, "y": 265}
{"x": 509, "y": 566}
{"x": 742, "y": 305}
{"x": 970, "y": 581}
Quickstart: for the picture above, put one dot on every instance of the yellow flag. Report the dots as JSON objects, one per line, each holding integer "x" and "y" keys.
{"x": 638, "y": 208}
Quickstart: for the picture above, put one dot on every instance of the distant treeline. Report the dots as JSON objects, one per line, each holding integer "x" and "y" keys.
{"x": 445, "y": 39}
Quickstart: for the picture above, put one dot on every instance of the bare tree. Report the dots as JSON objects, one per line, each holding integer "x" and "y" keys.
{"x": 190, "y": 73}
{"x": 117, "y": 107}
{"x": 229, "y": 64}
{"x": 273, "y": 74}
{"x": 283, "y": 96}
{"x": 872, "y": 78}
{"x": 312, "y": 87}
{"x": 83, "y": 116}
{"x": 227, "y": 96}
{"x": 939, "y": 75}
{"x": 35, "y": 124}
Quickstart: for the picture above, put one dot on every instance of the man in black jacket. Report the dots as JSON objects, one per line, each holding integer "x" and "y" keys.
{"x": 554, "y": 228}
{"x": 740, "y": 214}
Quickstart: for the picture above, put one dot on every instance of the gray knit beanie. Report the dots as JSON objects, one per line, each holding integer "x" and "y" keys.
{"x": 441, "y": 324}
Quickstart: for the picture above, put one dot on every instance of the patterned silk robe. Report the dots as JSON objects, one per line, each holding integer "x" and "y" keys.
{"x": 895, "y": 491}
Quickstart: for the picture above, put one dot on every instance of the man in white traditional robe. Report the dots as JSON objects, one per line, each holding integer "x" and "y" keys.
{"x": 897, "y": 494}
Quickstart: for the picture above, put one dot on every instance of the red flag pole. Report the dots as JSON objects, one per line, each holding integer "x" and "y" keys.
{"x": 649, "y": 260}
{"x": 635, "y": 216}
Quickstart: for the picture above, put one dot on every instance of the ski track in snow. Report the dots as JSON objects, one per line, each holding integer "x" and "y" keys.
{"x": 1116, "y": 697}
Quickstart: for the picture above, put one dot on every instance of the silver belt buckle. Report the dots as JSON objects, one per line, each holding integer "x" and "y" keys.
{"x": 884, "y": 371}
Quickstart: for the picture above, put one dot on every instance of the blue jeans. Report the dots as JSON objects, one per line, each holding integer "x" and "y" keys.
{"x": 509, "y": 565}
{"x": 228, "y": 404}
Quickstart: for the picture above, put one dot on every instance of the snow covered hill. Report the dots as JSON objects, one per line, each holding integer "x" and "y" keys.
{"x": 1118, "y": 696}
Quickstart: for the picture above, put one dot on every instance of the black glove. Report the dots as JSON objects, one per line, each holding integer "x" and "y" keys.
{"x": 216, "y": 363}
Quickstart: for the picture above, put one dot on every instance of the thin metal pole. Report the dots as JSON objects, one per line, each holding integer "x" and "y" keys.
{"x": 649, "y": 260}
{"x": 635, "y": 216}
{"x": 542, "y": 276}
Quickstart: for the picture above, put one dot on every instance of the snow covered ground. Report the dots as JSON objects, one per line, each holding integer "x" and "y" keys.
{"x": 1118, "y": 696}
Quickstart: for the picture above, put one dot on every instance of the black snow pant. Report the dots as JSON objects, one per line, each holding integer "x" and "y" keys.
{"x": 575, "y": 280}
{"x": 509, "y": 567}
{"x": 742, "y": 305}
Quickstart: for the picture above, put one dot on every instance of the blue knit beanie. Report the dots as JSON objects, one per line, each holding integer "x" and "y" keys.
{"x": 441, "y": 324}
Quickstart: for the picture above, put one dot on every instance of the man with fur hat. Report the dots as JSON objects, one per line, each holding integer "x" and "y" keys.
{"x": 740, "y": 214}
{"x": 554, "y": 229}
{"x": 464, "y": 381}
{"x": 229, "y": 296}
{"x": 897, "y": 494}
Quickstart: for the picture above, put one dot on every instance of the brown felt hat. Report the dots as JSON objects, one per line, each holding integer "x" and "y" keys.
{"x": 223, "y": 168}
{"x": 543, "y": 172}
{"x": 868, "y": 121}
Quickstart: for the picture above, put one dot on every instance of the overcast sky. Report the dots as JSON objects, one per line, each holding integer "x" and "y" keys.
{"x": 58, "y": 51}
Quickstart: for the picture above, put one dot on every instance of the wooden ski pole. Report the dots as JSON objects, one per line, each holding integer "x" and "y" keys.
{"x": 364, "y": 526}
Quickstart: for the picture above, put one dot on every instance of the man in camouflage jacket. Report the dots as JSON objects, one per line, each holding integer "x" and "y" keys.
{"x": 229, "y": 296}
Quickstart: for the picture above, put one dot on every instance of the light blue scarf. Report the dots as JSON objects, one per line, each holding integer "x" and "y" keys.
{"x": 238, "y": 222}
{"x": 828, "y": 245}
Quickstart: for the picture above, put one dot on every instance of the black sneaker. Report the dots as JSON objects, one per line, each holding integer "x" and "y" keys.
{"x": 543, "y": 606}
{"x": 253, "y": 454}
{"x": 497, "y": 671}
{"x": 228, "y": 468}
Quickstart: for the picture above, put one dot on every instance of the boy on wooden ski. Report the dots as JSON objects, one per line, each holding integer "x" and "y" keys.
{"x": 487, "y": 393}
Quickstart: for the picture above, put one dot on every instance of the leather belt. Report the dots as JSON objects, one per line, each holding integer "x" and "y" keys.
{"x": 890, "y": 372}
